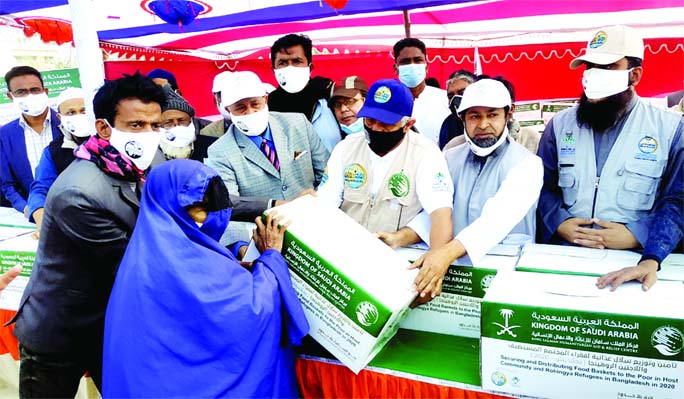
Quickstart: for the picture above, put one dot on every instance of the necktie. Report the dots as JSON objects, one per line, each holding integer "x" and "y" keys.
{"x": 270, "y": 154}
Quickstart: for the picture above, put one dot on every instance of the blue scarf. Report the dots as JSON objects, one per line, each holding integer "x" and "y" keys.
{"x": 185, "y": 319}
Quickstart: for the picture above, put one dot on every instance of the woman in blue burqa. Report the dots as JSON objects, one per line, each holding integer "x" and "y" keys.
{"x": 185, "y": 318}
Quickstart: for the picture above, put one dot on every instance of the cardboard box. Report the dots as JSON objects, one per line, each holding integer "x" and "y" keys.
{"x": 552, "y": 108}
{"x": 457, "y": 310}
{"x": 18, "y": 250}
{"x": 558, "y": 336}
{"x": 563, "y": 259}
{"x": 354, "y": 288}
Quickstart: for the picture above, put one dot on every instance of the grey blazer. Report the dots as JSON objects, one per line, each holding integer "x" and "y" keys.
{"x": 88, "y": 221}
{"x": 251, "y": 179}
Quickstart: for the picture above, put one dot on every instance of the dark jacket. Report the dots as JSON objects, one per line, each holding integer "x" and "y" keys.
{"x": 89, "y": 218}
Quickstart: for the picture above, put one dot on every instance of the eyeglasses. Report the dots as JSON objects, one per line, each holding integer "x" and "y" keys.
{"x": 169, "y": 124}
{"x": 348, "y": 102}
{"x": 26, "y": 92}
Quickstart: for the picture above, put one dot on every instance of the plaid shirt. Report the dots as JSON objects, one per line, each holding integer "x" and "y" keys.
{"x": 36, "y": 142}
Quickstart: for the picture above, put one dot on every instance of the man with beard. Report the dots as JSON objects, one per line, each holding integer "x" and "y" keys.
{"x": 298, "y": 92}
{"x": 612, "y": 165}
{"x": 386, "y": 176}
{"x": 180, "y": 139}
{"x": 496, "y": 185}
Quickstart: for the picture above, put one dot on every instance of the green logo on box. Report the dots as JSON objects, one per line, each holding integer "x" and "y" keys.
{"x": 667, "y": 340}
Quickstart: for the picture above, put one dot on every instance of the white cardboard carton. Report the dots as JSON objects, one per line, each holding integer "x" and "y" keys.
{"x": 562, "y": 259}
{"x": 457, "y": 310}
{"x": 558, "y": 336}
{"x": 18, "y": 250}
{"x": 354, "y": 288}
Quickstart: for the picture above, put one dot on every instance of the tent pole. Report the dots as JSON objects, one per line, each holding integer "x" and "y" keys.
{"x": 407, "y": 24}
{"x": 88, "y": 53}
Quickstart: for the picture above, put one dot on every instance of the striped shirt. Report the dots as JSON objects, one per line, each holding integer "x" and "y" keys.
{"x": 36, "y": 142}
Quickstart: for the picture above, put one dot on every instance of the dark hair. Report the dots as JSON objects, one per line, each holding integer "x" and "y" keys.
{"x": 291, "y": 40}
{"x": 633, "y": 62}
{"x": 136, "y": 86}
{"x": 432, "y": 82}
{"x": 408, "y": 42}
{"x": 462, "y": 74}
{"x": 21, "y": 71}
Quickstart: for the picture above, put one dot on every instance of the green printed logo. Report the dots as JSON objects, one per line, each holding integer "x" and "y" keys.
{"x": 667, "y": 340}
{"x": 486, "y": 281}
{"x": 505, "y": 328}
{"x": 367, "y": 313}
{"x": 498, "y": 378}
{"x": 399, "y": 185}
{"x": 569, "y": 138}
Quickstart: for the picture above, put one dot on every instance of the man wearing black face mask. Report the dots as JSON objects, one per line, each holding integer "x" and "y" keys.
{"x": 613, "y": 164}
{"x": 385, "y": 177}
{"x": 453, "y": 125}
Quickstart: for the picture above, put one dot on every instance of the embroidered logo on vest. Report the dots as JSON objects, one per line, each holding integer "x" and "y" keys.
{"x": 355, "y": 176}
{"x": 399, "y": 184}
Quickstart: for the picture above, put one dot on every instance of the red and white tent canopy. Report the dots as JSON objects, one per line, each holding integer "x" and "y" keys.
{"x": 528, "y": 41}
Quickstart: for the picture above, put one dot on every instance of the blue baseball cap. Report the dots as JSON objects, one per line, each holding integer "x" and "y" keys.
{"x": 164, "y": 74}
{"x": 388, "y": 101}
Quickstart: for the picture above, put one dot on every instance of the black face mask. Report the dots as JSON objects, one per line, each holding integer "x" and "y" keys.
{"x": 454, "y": 103}
{"x": 383, "y": 142}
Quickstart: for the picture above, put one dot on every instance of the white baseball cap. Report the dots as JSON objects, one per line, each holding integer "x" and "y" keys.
{"x": 485, "y": 93}
{"x": 218, "y": 79}
{"x": 610, "y": 44}
{"x": 240, "y": 85}
{"x": 69, "y": 94}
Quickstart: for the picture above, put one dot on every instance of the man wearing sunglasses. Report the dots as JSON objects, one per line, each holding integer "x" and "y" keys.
{"x": 23, "y": 140}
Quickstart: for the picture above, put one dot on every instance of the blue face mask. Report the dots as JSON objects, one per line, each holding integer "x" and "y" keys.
{"x": 216, "y": 223}
{"x": 412, "y": 74}
{"x": 355, "y": 127}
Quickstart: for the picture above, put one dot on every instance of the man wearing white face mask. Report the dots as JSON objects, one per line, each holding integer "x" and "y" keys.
{"x": 22, "y": 141}
{"x": 89, "y": 217}
{"x": 59, "y": 154}
{"x": 179, "y": 139}
{"x": 430, "y": 103}
{"x": 496, "y": 184}
{"x": 613, "y": 164}
{"x": 297, "y": 91}
{"x": 265, "y": 157}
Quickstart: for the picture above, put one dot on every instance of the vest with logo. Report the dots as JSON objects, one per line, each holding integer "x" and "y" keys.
{"x": 396, "y": 202}
{"x": 473, "y": 187}
{"x": 631, "y": 176}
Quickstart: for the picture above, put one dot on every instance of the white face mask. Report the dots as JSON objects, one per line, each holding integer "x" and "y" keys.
{"x": 77, "y": 125}
{"x": 601, "y": 83}
{"x": 293, "y": 79}
{"x": 412, "y": 74}
{"x": 33, "y": 104}
{"x": 179, "y": 136}
{"x": 484, "y": 151}
{"x": 252, "y": 124}
{"x": 138, "y": 147}
{"x": 355, "y": 127}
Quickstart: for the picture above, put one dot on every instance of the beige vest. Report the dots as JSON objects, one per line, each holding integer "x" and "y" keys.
{"x": 396, "y": 202}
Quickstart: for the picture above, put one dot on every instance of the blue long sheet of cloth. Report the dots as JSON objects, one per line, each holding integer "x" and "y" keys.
{"x": 261, "y": 13}
{"x": 185, "y": 319}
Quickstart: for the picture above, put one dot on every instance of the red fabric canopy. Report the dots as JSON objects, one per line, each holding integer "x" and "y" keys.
{"x": 538, "y": 71}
